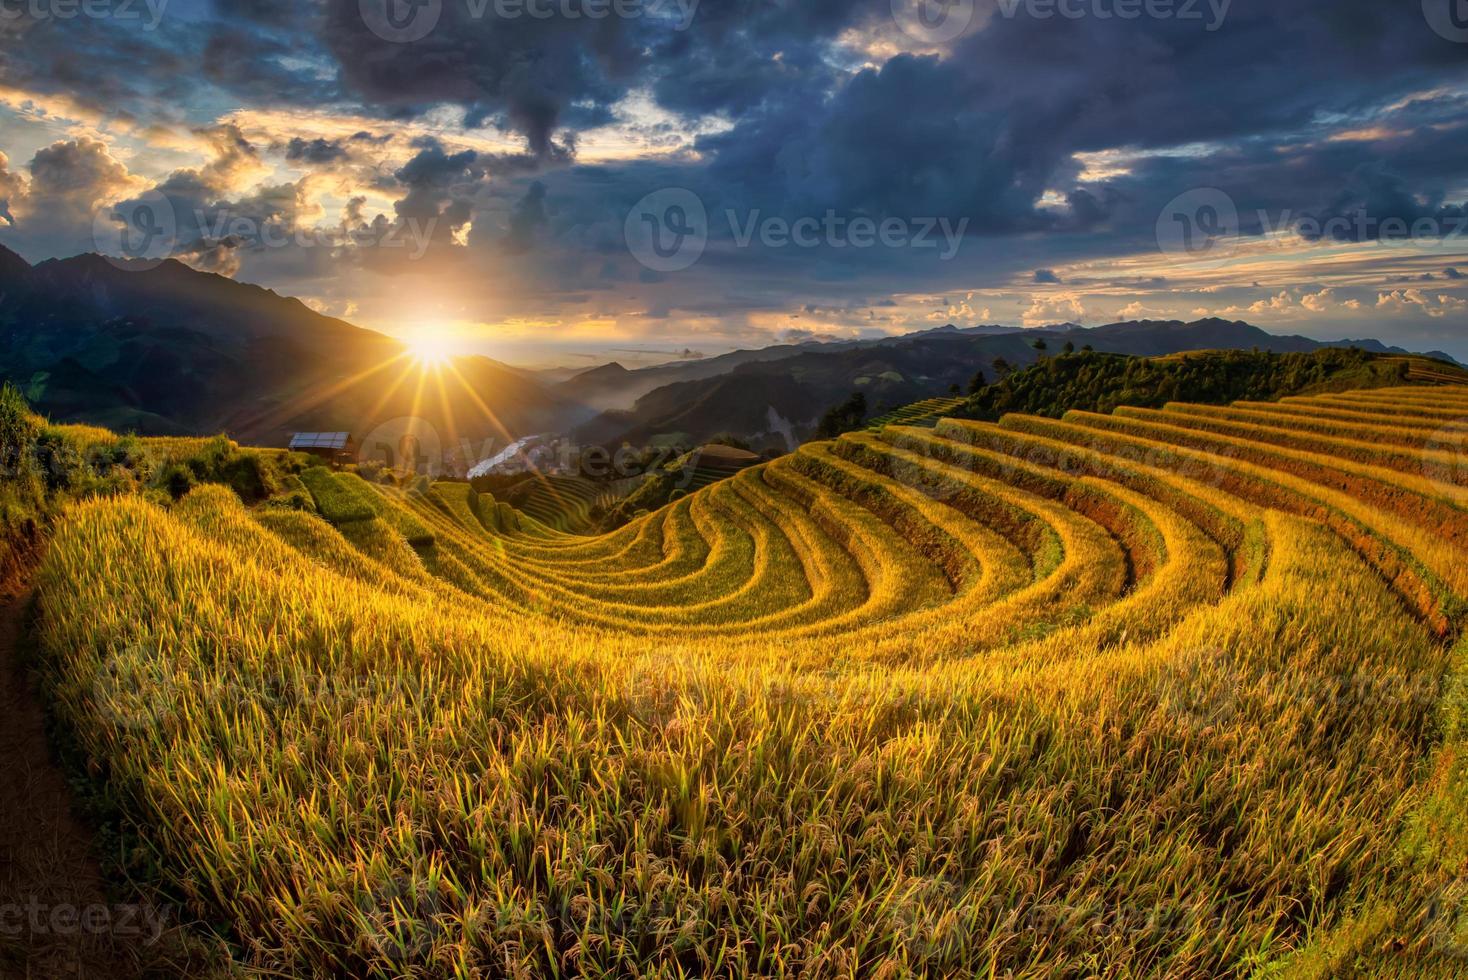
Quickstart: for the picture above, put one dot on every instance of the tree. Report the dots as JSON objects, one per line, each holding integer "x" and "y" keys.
{"x": 978, "y": 383}
{"x": 1102, "y": 382}
{"x": 1070, "y": 347}
{"x": 846, "y": 417}
{"x": 1001, "y": 367}
{"x": 1040, "y": 344}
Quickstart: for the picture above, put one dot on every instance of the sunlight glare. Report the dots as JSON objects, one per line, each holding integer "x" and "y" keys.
{"x": 431, "y": 351}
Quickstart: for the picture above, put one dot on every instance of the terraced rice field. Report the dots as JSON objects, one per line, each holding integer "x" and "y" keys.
{"x": 565, "y": 503}
{"x": 924, "y": 413}
{"x": 1163, "y": 693}
{"x": 711, "y": 464}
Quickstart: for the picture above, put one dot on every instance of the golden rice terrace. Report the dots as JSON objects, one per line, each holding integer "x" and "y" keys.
{"x": 1161, "y": 693}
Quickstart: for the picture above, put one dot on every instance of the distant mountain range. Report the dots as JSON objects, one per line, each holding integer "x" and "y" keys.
{"x": 171, "y": 350}
{"x": 783, "y": 390}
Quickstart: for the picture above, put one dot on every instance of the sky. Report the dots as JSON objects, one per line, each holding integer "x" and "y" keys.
{"x": 574, "y": 181}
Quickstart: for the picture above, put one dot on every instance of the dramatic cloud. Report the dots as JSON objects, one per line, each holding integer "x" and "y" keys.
{"x": 314, "y": 151}
{"x": 68, "y": 182}
{"x": 1297, "y": 164}
{"x": 12, "y": 188}
{"x": 77, "y": 174}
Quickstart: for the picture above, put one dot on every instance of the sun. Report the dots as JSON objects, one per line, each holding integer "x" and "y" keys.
{"x": 430, "y": 351}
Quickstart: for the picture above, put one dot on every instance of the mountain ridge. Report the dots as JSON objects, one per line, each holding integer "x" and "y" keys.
{"x": 171, "y": 350}
{"x": 894, "y": 371}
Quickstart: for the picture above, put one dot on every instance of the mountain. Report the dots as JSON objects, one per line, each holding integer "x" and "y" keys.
{"x": 617, "y": 390}
{"x": 1154, "y": 338}
{"x": 12, "y": 268}
{"x": 772, "y": 402}
{"x": 170, "y": 350}
{"x": 602, "y": 388}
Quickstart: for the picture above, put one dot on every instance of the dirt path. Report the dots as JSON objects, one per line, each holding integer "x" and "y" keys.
{"x": 56, "y": 917}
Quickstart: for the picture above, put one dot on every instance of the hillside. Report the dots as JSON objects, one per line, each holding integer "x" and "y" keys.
{"x": 1099, "y": 382}
{"x": 687, "y": 474}
{"x": 1151, "y": 693}
{"x": 574, "y": 505}
{"x": 174, "y": 351}
{"x": 928, "y": 412}
{"x": 770, "y": 403}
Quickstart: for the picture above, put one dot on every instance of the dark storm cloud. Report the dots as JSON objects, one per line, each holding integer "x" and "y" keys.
{"x": 444, "y": 190}
{"x": 1270, "y": 68}
{"x": 294, "y": 14}
{"x": 138, "y": 67}
{"x": 252, "y": 66}
{"x": 945, "y": 150}
{"x": 1352, "y": 190}
{"x": 741, "y": 54}
{"x": 318, "y": 151}
{"x": 1378, "y": 205}
{"x": 982, "y": 133}
{"x": 531, "y": 74}
{"x": 529, "y": 214}
{"x": 1046, "y": 276}
{"x": 116, "y": 69}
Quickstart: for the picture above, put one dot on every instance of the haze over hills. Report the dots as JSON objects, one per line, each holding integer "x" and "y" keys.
{"x": 612, "y": 387}
{"x": 171, "y": 350}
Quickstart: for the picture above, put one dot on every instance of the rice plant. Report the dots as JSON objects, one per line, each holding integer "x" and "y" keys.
{"x": 1164, "y": 693}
